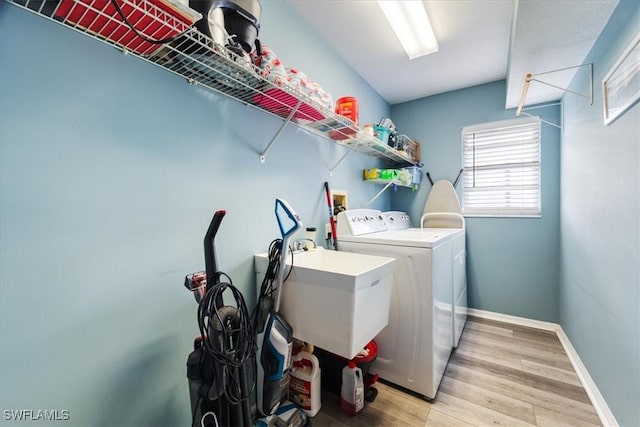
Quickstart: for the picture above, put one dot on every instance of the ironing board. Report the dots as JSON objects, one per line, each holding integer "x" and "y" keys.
{"x": 442, "y": 209}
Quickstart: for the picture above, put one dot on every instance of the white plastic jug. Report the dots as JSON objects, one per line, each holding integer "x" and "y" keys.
{"x": 352, "y": 392}
{"x": 304, "y": 384}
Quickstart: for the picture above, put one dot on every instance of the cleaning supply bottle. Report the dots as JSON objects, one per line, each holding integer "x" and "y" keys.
{"x": 352, "y": 393}
{"x": 304, "y": 384}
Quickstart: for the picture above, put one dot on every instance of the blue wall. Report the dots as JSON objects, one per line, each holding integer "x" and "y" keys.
{"x": 512, "y": 264}
{"x": 111, "y": 168}
{"x": 110, "y": 171}
{"x": 600, "y": 223}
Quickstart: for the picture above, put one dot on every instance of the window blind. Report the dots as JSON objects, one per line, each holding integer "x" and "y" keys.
{"x": 501, "y": 163}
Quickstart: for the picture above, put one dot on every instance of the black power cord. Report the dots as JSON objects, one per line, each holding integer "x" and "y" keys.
{"x": 139, "y": 34}
{"x": 267, "y": 288}
{"x": 229, "y": 333}
{"x": 228, "y": 337}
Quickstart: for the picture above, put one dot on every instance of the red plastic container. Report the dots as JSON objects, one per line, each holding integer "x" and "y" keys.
{"x": 347, "y": 106}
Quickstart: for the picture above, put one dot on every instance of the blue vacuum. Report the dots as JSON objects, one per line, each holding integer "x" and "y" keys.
{"x": 274, "y": 336}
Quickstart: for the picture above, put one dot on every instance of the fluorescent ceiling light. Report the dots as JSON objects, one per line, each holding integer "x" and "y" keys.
{"x": 411, "y": 24}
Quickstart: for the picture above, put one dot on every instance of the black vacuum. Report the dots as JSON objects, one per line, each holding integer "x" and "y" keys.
{"x": 220, "y": 369}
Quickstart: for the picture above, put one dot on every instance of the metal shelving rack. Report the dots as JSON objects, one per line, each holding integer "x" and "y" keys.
{"x": 195, "y": 57}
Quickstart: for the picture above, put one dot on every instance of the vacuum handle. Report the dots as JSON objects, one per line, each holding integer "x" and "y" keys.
{"x": 292, "y": 216}
{"x": 211, "y": 263}
{"x": 286, "y": 234}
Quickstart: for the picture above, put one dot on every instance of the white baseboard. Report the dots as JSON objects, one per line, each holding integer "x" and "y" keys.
{"x": 600, "y": 405}
{"x": 522, "y": 321}
{"x": 605, "y": 414}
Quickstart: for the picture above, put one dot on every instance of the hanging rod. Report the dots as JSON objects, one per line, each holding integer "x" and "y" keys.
{"x": 531, "y": 77}
{"x": 559, "y": 126}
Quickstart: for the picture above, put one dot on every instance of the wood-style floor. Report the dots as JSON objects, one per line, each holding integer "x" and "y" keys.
{"x": 500, "y": 375}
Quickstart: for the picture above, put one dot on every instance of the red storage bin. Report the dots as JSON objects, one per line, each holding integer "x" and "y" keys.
{"x": 155, "y": 19}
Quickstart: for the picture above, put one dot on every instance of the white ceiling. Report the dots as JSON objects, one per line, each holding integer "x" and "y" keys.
{"x": 480, "y": 41}
{"x": 550, "y": 35}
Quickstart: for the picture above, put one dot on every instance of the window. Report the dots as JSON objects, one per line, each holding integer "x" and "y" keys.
{"x": 501, "y": 163}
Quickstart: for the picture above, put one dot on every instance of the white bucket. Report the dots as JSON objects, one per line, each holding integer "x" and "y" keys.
{"x": 304, "y": 384}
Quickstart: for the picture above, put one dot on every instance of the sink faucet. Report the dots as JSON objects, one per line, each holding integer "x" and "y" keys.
{"x": 299, "y": 244}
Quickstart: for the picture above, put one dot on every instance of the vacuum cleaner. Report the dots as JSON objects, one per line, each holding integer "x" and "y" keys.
{"x": 234, "y": 24}
{"x": 220, "y": 367}
{"x": 274, "y": 336}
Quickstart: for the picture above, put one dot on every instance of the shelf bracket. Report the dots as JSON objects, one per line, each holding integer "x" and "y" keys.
{"x": 379, "y": 193}
{"x": 286, "y": 121}
{"x": 344, "y": 156}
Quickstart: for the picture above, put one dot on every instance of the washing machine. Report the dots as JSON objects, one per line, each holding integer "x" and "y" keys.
{"x": 414, "y": 347}
{"x": 397, "y": 220}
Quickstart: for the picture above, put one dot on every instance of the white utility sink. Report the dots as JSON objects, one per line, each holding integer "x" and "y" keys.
{"x": 338, "y": 301}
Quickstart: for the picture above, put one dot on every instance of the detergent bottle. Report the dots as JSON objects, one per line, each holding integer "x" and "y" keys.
{"x": 304, "y": 384}
{"x": 352, "y": 393}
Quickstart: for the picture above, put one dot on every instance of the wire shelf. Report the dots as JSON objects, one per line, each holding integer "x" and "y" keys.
{"x": 198, "y": 59}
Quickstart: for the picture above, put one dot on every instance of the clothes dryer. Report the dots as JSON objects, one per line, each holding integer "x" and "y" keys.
{"x": 415, "y": 346}
{"x": 442, "y": 210}
{"x": 398, "y": 220}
